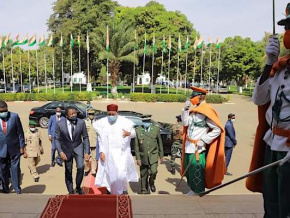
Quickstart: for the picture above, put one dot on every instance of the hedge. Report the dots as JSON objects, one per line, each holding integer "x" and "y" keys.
{"x": 145, "y": 97}
{"x": 73, "y": 96}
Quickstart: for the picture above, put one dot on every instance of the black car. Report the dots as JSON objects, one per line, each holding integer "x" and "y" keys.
{"x": 135, "y": 117}
{"x": 42, "y": 114}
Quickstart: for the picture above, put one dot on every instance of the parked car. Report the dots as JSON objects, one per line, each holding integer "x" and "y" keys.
{"x": 42, "y": 114}
{"x": 17, "y": 88}
{"x": 135, "y": 117}
{"x": 26, "y": 88}
{"x": 2, "y": 88}
{"x": 222, "y": 89}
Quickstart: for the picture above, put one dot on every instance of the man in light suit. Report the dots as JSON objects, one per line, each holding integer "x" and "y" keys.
{"x": 11, "y": 147}
{"x": 53, "y": 120}
{"x": 72, "y": 141}
{"x": 230, "y": 141}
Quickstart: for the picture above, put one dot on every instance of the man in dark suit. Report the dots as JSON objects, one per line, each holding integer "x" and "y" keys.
{"x": 53, "y": 120}
{"x": 230, "y": 141}
{"x": 72, "y": 141}
{"x": 11, "y": 147}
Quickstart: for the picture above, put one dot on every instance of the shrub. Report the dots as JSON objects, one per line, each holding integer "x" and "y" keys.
{"x": 215, "y": 99}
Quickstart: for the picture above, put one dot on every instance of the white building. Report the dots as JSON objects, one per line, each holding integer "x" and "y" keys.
{"x": 79, "y": 78}
{"x": 143, "y": 79}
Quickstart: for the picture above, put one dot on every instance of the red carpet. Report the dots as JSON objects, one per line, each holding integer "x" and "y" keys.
{"x": 90, "y": 188}
{"x": 88, "y": 206}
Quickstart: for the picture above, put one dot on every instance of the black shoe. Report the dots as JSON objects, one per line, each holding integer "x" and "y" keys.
{"x": 172, "y": 171}
{"x": 144, "y": 193}
{"x": 19, "y": 192}
{"x": 153, "y": 188}
{"x": 79, "y": 191}
{"x": 71, "y": 193}
{"x": 60, "y": 164}
{"x": 36, "y": 180}
{"x": 87, "y": 173}
{"x": 229, "y": 174}
{"x": 52, "y": 164}
{"x": 94, "y": 174}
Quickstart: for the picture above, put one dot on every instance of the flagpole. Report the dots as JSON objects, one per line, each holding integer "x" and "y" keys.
{"x": 12, "y": 72}
{"x": 62, "y": 82}
{"x": 194, "y": 67}
{"x": 80, "y": 70}
{"x": 162, "y": 60}
{"x": 29, "y": 71}
{"x": 20, "y": 70}
{"x": 186, "y": 61}
{"x": 209, "y": 73}
{"x": 88, "y": 66}
{"x": 218, "y": 74}
{"x": 45, "y": 73}
{"x": 71, "y": 70}
{"x": 53, "y": 71}
{"x": 201, "y": 65}
{"x": 4, "y": 73}
{"x": 177, "y": 72}
{"x": 134, "y": 72}
{"x": 168, "y": 71}
{"x": 152, "y": 72}
{"x": 144, "y": 56}
{"x": 107, "y": 78}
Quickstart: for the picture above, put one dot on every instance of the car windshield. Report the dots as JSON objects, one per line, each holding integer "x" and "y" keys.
{"x": 81, "y": 105}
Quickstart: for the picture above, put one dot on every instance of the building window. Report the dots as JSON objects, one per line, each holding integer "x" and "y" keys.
{"x": 80, "y": 80}
{"x": 75, "y": 80}
{"x": 147, "y": 80}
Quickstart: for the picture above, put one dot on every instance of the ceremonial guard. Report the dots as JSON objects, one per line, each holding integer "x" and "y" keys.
{"x": 148, "y": 149}
{"x": 92, "y": 164}
{"x": 33, "y": 148}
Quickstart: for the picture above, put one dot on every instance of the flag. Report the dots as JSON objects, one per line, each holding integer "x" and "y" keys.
{"x": 135, "y": 42}
{"x": 218, "y": 43}
{"x": 88, "y": 43}
{"x": 32, "y": 40}
{"x": 200, "y": 42}
{"x": 108, "y": 40}
{"x": 154, "y": 45}
{"x": 209, "y": 41}
{"x": 195, "y": 43}
{"x": 72, "y": 41}
{"x": 50, "y": 42}
{"x": 15, "y": 41}
{"x": 164, "y": 45}
{"x": 23, "y": 41}
{"x": 79, "y": 40}
{"x": 186, "y": 44}
{"x": 6, "y": 41}
{"x": 179, "y": 45}
{"x": 1, "y": 42}
{"x": 169, "y": 43}
{"x": 61, "y": 41}
{"x": 41, "y": 41}
{"x": 145, "y": 45}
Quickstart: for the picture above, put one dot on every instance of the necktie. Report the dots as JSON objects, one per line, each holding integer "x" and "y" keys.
{"x": 72, "y": 131}
{"x": 4, "y": 127}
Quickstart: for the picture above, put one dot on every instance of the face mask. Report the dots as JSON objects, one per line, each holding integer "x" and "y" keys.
{"x": 112, "y": 119}
{"x": 146, "y": 124}
{"x": 233, "y": 120}
{"x": 73, "y": 119}
{"x": 58, "y": 114}
{"x": 32, "y": 129}
{"x": 286, "y": 39}
{"x": 3, "y": 114}
{"x": 195, "y": 100}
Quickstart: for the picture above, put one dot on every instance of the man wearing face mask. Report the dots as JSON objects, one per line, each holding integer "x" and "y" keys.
{"x": 53, "y": 120}
{"x": 116, "y": 166}
{"x": 72, "y": 141}
{"x": 92, "y": 164}
{"x": 272, "y": 139}
{"x": 11, "y": 147}
{"x": 33, "y": 149}
{"x": 203, "y": 134}
{"x": 230, "y": 141}
{"x": 148, "y": 149}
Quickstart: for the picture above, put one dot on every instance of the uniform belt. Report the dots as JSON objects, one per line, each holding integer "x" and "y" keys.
{"x": 282, "y": 132}
{"x": 196, "y": 150}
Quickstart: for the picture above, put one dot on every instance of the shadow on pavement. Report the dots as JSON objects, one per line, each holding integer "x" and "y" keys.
{"x": 34, "y": 189}
{"x": 168, "y": 165}
{"x": 43, "y": 169}
{"x": 183, "y": 188}
{"x": 136, "y": 186}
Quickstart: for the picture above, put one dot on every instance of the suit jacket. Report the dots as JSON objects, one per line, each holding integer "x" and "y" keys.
{"x": 148, "y": 145}
{"x": 230, "y": 140}
{"x": 52, "y": 125}
{"x": 80, "y": 142}
{"x": 14, "y": 139}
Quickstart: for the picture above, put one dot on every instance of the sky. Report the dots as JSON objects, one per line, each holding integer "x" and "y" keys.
{"x": 211, "y": 18}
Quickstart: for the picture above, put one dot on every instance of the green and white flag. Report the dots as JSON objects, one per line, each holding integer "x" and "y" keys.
{"x": 209, "y": 42}
{"x": 186, "y": 44}
{"x": 218, "y": 43}
{"x": 145, "y": 45}
{"x": 169, "y": 43}
{"x": 61, "y": 41}
{"x": 88, "y": 43}
{"x": 107, "y": 40}
{"x": 41, "y": 41}
{"x": 50, "y": 42}
{"x": 32, "y": 40}
{"x": 164, "y": 45}
{"x": 179, "y": 45}
{"x": 6, "y": 41}
{"x": 15, "y": 41}
{"x": 72, "y": 41}
{"x": 154, "y": 45}
{"x": 23, "y": 41}
{"x": 200, "y": 42}
{"x": 1, "y": 42}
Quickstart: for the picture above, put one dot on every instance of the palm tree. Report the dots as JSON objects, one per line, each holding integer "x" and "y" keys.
{"x": 121, "y": 50}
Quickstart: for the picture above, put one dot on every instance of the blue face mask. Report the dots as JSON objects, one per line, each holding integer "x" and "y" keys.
{"x": 146, "y": 124}
{"x": 112, "y": 119}
{"x": 3, "y": 114}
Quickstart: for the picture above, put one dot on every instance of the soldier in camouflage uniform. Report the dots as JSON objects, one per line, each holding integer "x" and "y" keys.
{"x": 148, "y": 149}
{"x": 176, "y": 149}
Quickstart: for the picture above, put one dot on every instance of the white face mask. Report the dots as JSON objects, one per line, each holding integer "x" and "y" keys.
{"x": 58, "y": 114}
{"x": 233, "y": 120}
{"x": 32, "y": 129}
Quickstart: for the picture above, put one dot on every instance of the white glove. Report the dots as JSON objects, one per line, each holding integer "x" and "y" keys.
{"x": 272, "y": 50}
{"x": 187, "y": 104}
{"x": 285, "y": 159}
